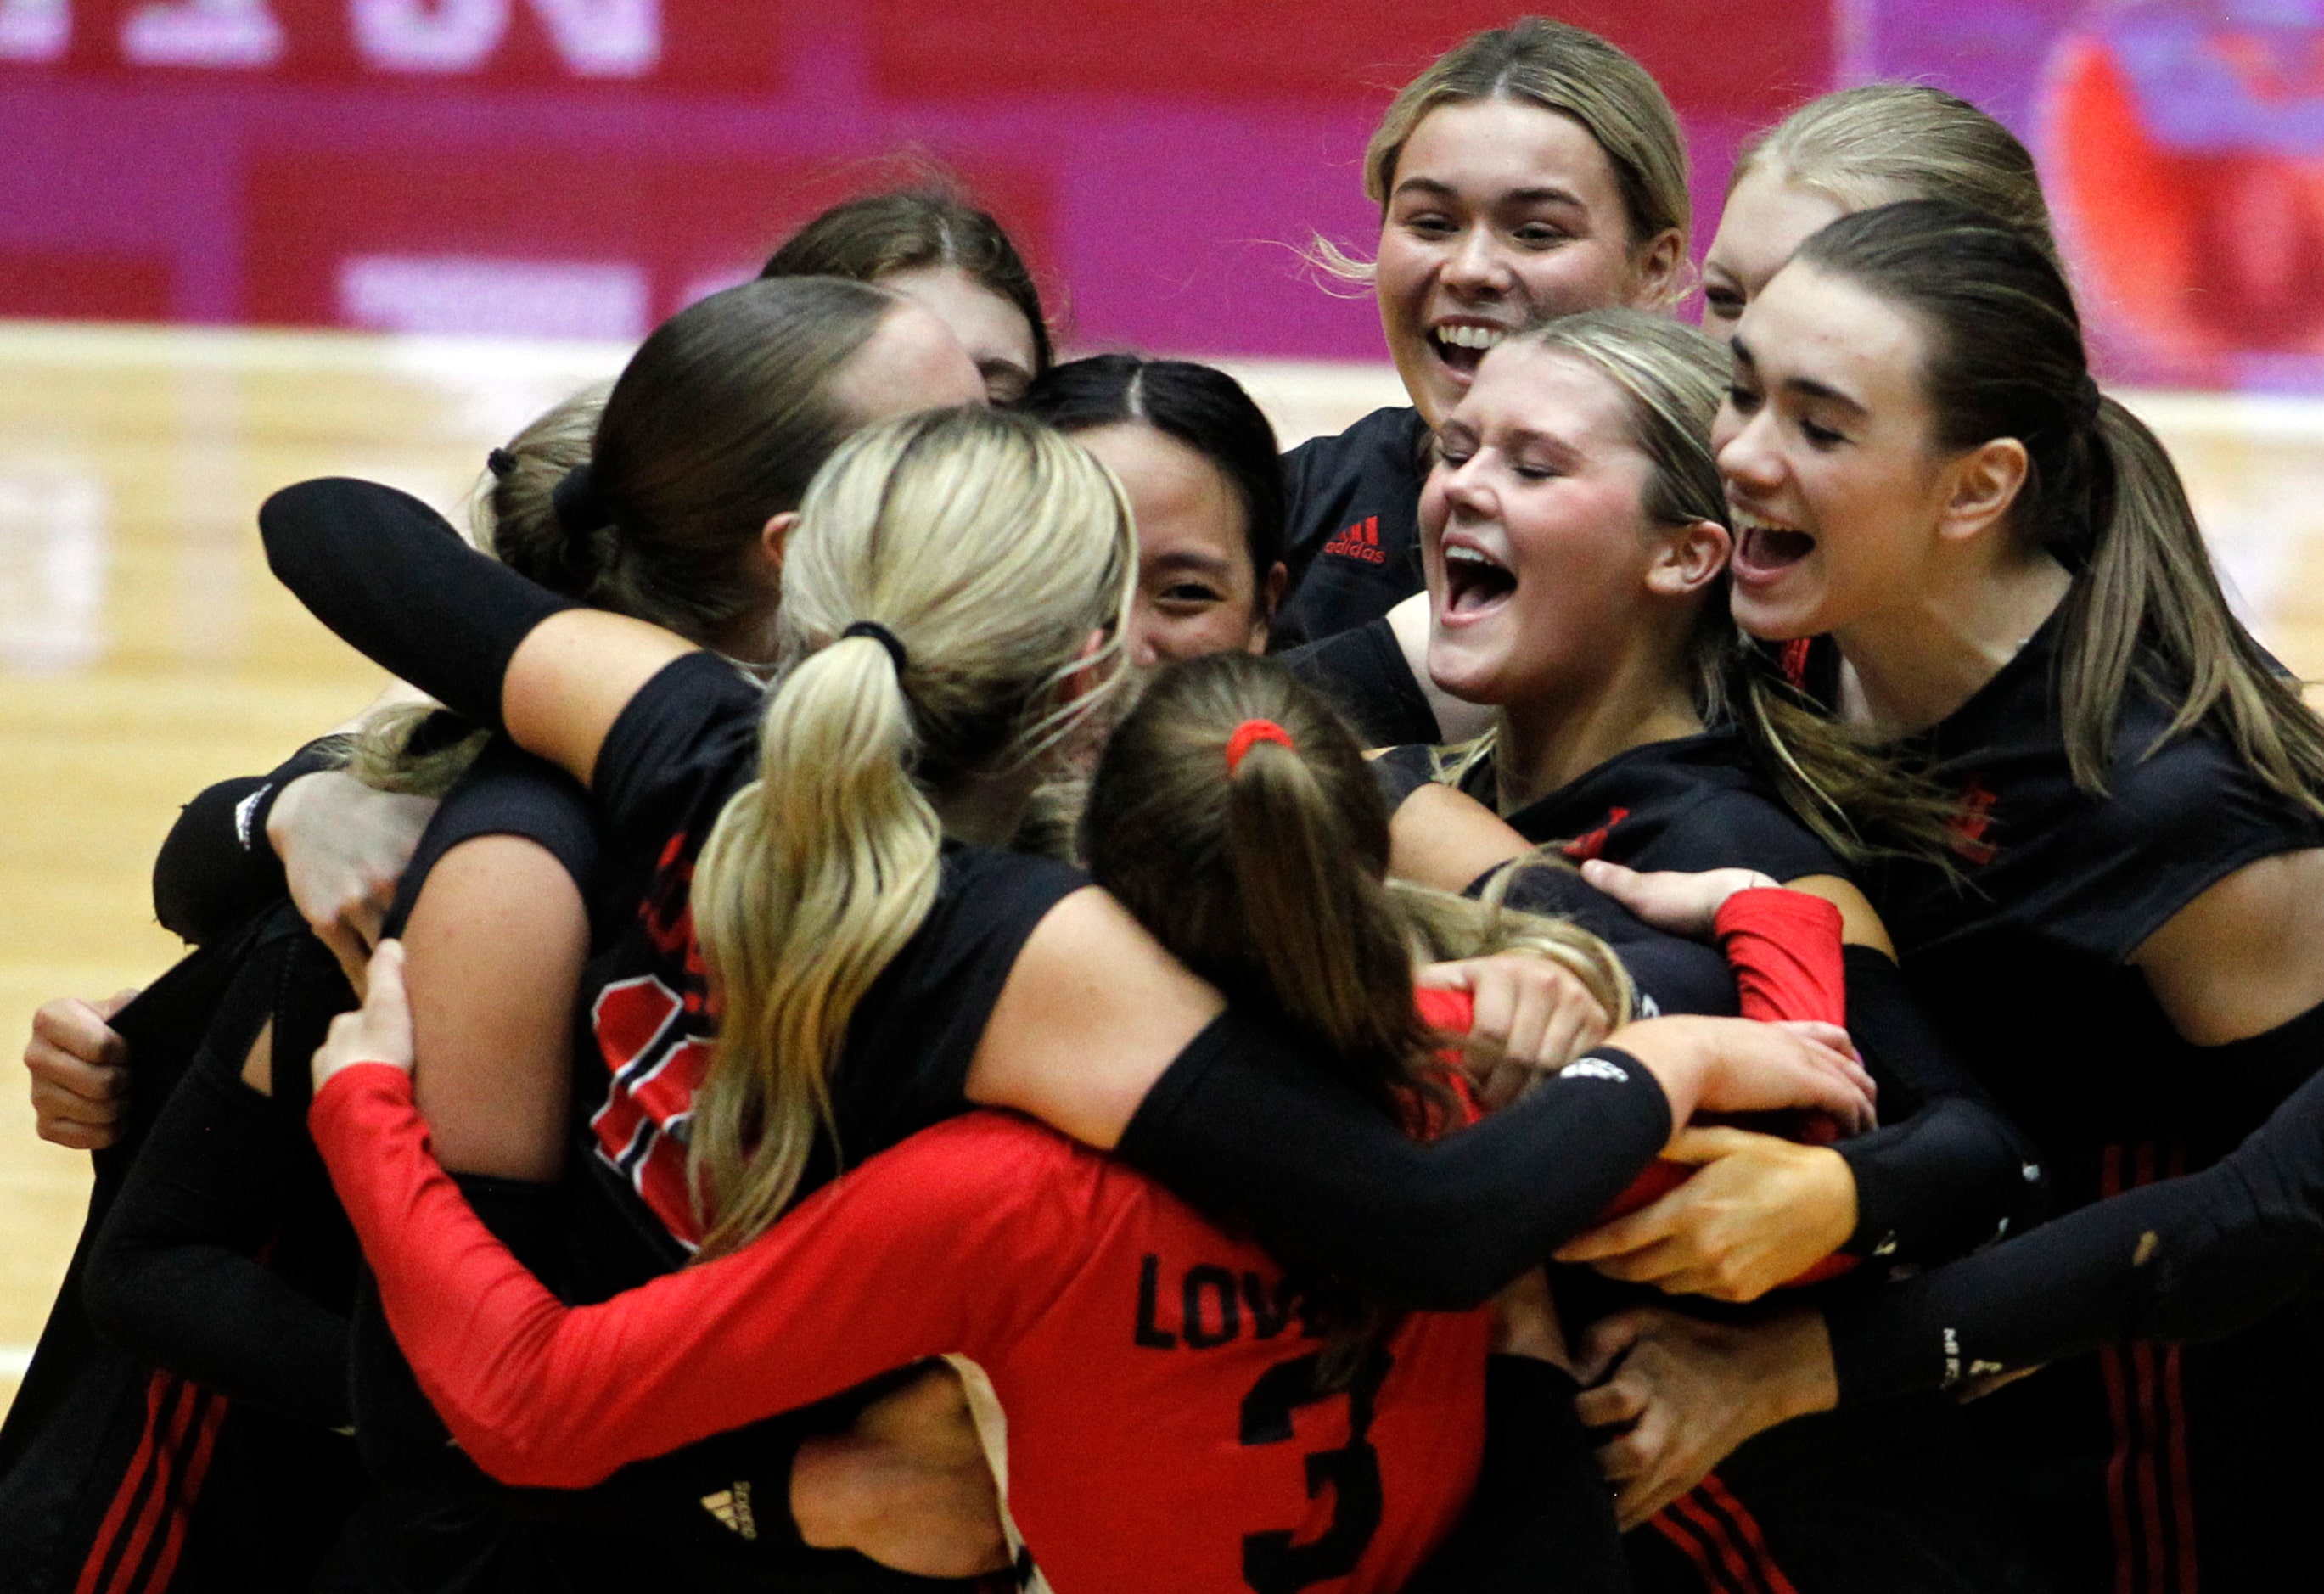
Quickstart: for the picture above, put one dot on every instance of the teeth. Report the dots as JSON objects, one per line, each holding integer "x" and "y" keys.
{"x": 1456, "y": 555}
{"x": 1753, "y": 523}
{"x": 1470, "y": 337}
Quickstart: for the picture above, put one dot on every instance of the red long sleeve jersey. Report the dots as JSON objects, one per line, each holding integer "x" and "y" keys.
{"x": 1165, "y": 1432}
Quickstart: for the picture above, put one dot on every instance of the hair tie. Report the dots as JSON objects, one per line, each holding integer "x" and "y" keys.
{"x": 884, "y": 636}
{"x": 1251, "y": 733}
{"x": 502, "y": 464}
{"x": 2089, "y": 397}
{"x": 575, "y": 503}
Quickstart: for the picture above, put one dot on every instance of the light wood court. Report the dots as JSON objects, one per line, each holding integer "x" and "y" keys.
{"x": 145, "y": 651}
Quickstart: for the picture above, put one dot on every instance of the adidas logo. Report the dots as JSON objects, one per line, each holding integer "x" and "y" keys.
{"x": 1359, "y": 542}
{"x": 732, "y": 1507}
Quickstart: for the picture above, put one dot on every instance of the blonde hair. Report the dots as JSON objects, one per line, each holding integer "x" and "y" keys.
{"x": 989, "y": 548}
{"x": 1559, "y": 67}
{"x": 1886, "y": 142}
{"x": 1671, "y": 378}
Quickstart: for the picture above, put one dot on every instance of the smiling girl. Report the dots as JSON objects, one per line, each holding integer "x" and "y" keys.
{"x": 1575, "y": 544}
{"x": 2124, "y": 920}
{"x": 1532, "y": 171}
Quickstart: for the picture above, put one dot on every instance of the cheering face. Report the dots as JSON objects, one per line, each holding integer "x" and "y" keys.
{"x": 1502, "y": 214}
{"x": 1197, "y": 593}
{"x": 1533, "y": 539}
{"x": 1767, "y": 217}
{"x": 992, "y": 329}
{"x": 1825, "y": 444}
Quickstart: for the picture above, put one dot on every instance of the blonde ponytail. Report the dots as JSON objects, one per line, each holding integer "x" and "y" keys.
{"x": 988, "y": 548}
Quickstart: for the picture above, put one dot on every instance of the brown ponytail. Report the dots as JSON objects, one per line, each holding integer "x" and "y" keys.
{"x": 1266, "y": 880}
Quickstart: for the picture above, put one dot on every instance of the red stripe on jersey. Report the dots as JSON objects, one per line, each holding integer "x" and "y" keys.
{"x": 1735, "y": 1566}
{"x": 1667, "y": 1522}
{"x": 109, "y": 1530}
{"x": 182, "y": 1506}
{"x": 170, "y": 1403}
{"x": 2183, "y": 1485}
{"x": 1754, "y": 1541}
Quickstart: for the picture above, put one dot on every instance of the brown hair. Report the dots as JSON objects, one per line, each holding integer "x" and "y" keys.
{"x": 1267, "y": 879}
{"x": 904, "y": 229}
{"x": 2002, "y": 356}
{"x": 646, "y": 498}
{"x": 1559, "y": 67}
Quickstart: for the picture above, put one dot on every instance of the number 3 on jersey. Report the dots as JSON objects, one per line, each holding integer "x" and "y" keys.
{"x": 1271, "y": 1562}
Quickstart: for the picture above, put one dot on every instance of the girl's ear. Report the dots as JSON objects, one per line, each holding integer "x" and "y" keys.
{"x": 1985, "y": 482}
{"x": 1691, "y": 559}
{"x": 1270, "y": 597}
{"x": 1660, "y": 265}
{"x": 775, "y": 538}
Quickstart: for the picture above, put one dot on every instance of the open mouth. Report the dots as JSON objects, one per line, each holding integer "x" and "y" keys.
{"x": 1462, "y": 346}
{"x": 1764, "y": 551}
{"x": 1474, "y": 582}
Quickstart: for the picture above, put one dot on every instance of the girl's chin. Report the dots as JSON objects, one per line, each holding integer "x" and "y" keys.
{"x": 1777, "y": 616}
{"x": 1463, "y": 675}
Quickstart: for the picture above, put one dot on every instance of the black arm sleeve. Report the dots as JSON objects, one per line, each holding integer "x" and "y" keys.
{"x": 1951, "y": 1171}
{"x": 2188, "y": 1258}
{"x": 1541, "y": 1516}
{"x": 216, "y": 867}
{"x": 1256, "y": 1132}
{"x": 1368, "y": 679}
{"x": 175, "y": 1273}
{"x": 393, "y": 578}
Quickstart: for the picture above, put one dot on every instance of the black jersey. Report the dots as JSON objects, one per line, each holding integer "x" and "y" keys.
{"x": 1368, "y": 679}
{"x": 1354, "y": 542}
{"x": 1688, "y": 803}
{"x": 681, "y": 748}
{"x": 2139, "y": 1464}
{"x": 1847, "y": 1500}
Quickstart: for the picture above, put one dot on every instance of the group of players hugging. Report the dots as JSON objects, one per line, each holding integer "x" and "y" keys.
{"x": 1692, "y": 963}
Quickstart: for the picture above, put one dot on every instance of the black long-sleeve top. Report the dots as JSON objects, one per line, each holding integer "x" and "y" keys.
{"x": 2184, "y": 1259}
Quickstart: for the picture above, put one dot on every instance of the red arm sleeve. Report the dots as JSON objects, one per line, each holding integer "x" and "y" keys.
{"x": 1784, "y": 948}
{"x": 863, "y": 1277}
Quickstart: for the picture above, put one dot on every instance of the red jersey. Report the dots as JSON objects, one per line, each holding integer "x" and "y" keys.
{"x": 1165, "y": 1433}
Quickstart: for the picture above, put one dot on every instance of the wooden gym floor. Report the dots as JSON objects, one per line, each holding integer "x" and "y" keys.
{"x": 145, "y": 652}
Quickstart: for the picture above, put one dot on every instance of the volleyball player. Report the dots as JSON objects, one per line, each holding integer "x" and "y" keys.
{"x": 793, "y": 365}
{"x": 1576, "y": 544}
{"x": 1530, "y": 172}
{"x": 1198, "y": 461}
{"x": 2116, "y": 923}
{"x": 947, "y": 256}
{"x": 1874, "y": 144}
{"x": 1252, "y": 845}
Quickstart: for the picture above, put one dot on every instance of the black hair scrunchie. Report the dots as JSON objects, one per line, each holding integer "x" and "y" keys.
{"x": 577, "y": 505}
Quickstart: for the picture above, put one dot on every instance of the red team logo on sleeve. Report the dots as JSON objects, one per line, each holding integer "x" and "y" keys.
{"x": 1972, "y": 821}
{"x": 1359, "y": 542}
{"x": 648, "y": 1035}
{"x": 1582, "y": 848}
